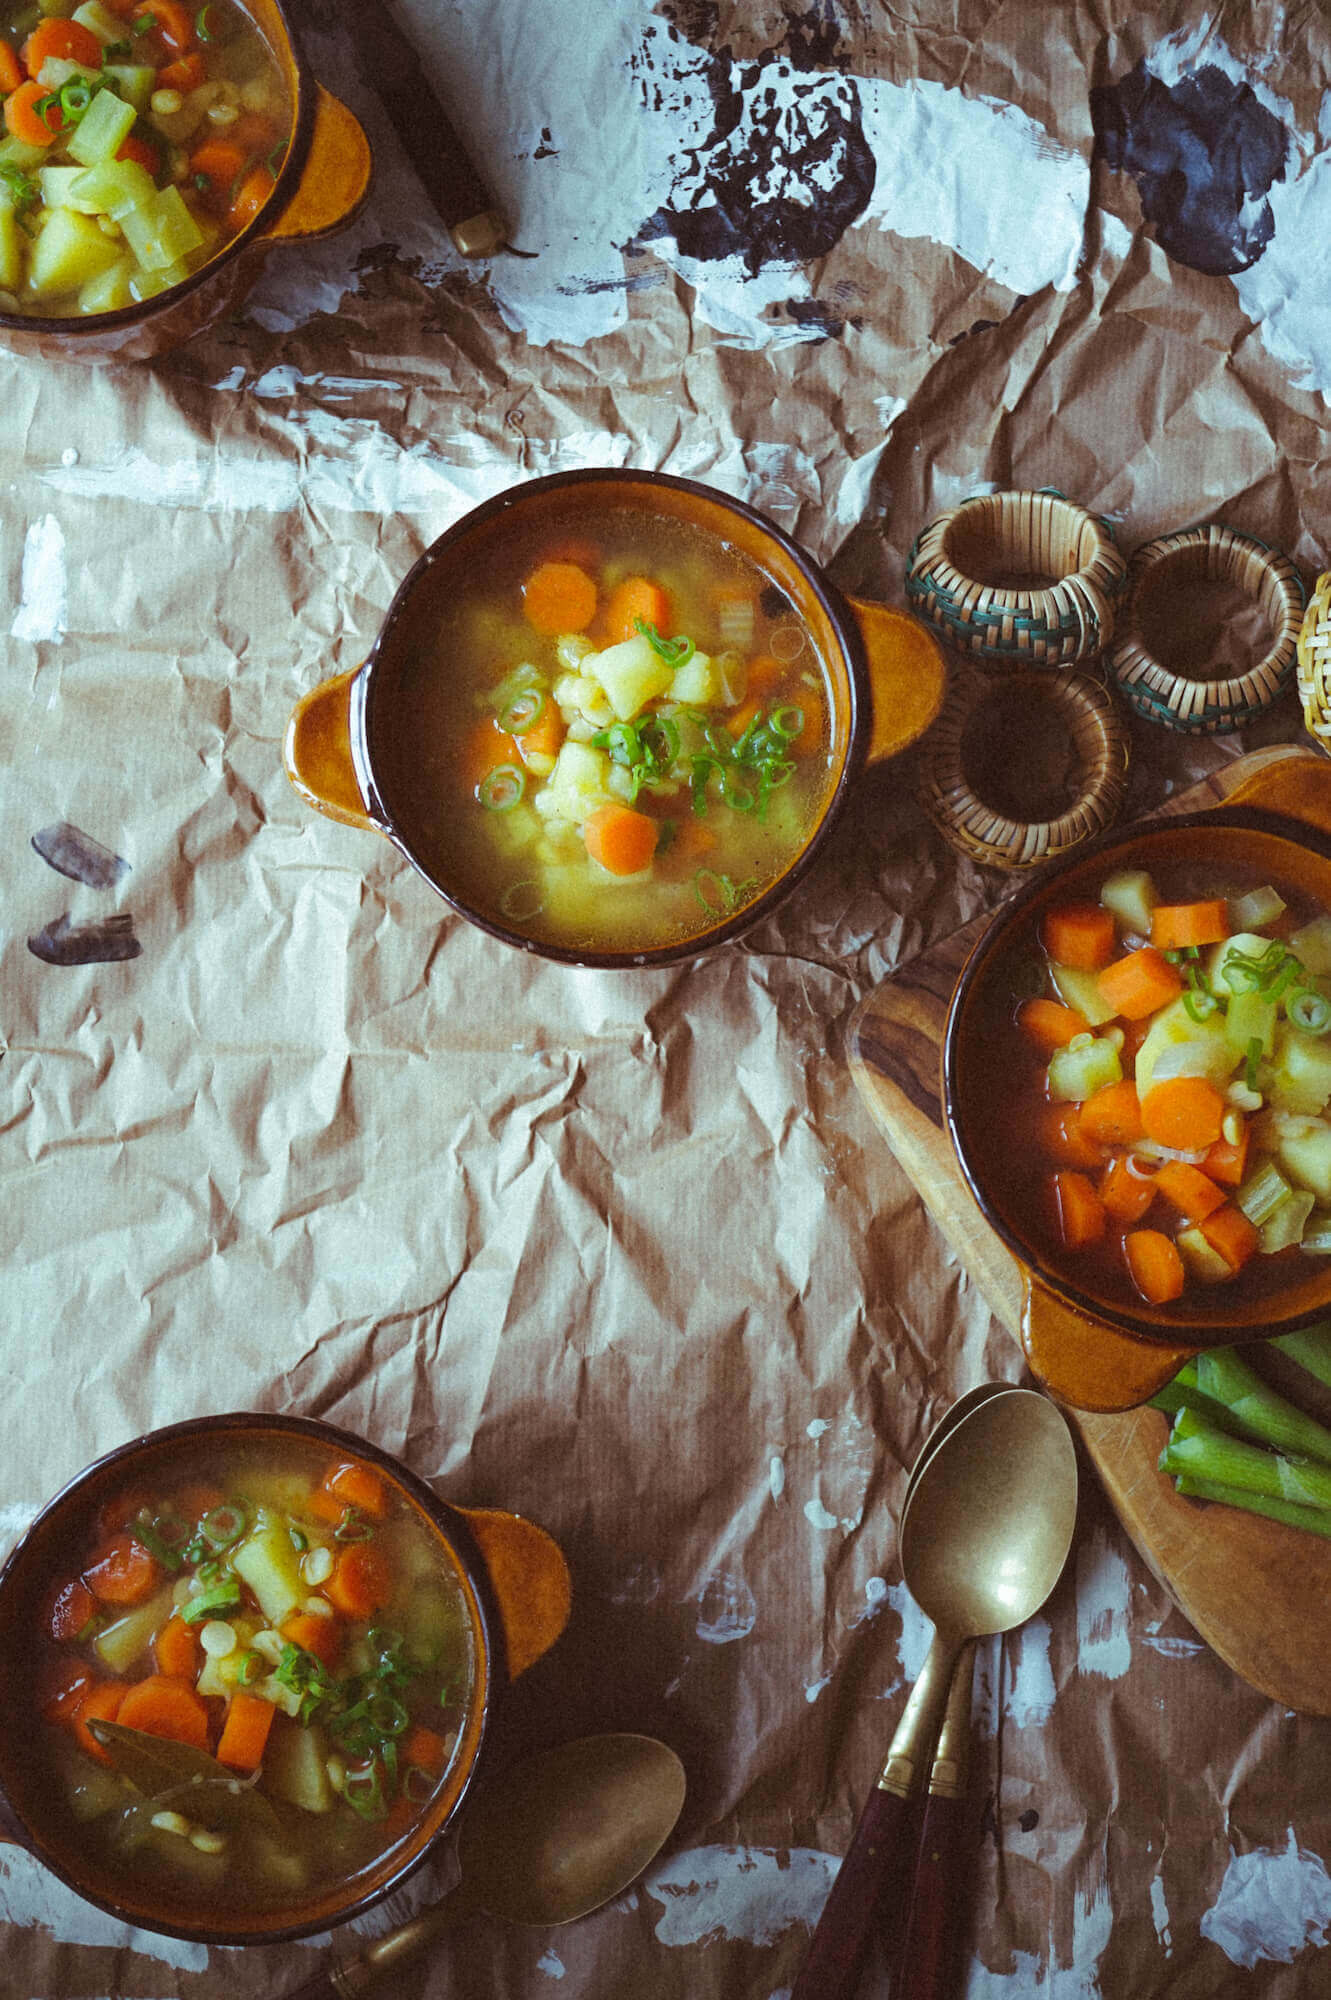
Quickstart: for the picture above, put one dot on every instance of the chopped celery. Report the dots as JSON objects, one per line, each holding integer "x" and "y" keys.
{"x": 100, "y": 20}
{"x": 1251, "y": 912}
{"x": 1256, "y": 1409}
{"x": 102, "y": 130}
{"x": 1262, "y": 1193}
{"x": 114, "y": 187}
{"x": 1316, "y": 1236}
{"x": 1182, "y": 1392}
{"x": 1311, "y": 1348}
{"x": 135, "y": 82}
{"x": 162, "y": 232}
{"x": 18, "y": 153}
{"x": 1286, "y": 1226}
{"x": 1082, "y": 990}
{"x": 1316, "y": 1520}
{"x": 1313, "y": 944}
{"x": 1250, "y": 1017}
{"x": 1085, "y": 1065}
{"x": 1204, "y": 1451}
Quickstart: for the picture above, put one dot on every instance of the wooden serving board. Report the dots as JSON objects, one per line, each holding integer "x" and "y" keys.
{"x": 1258, "y": 1593}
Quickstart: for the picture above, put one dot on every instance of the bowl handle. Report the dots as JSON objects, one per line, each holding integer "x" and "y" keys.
{"x": 1085, "y": 1363}
{"x": 906, "y": 674}
{"x": 336, "y": 178}
{"x": 1299, "y": 786}
{"x": 530, "y": 1580}
{"x": 316, "y": 751}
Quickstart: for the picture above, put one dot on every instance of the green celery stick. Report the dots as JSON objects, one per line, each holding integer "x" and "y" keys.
{"x": 1256, "y": 1410}
{"x": 1316, "y": 1520}
{"x": 1203, "y": 1451}
{"x": 1182, "y": 1393}
{"x": 1311, "y": 1348}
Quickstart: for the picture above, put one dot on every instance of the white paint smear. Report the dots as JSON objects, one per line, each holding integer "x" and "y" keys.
{"x": 30, "y": 1896}
{"x": 753, "y": 1894}
{"x": 44, "y": 586}
{"x": 819, "y": 1427}
{"x": 1092, "y": 1924}
{"x": 812, "y": 1689}
{"x": 1031, "y": 1699}
{"x": 916, "y": 1636}
{"x": 776, "y": 1476}
{"x": 1273, "y": 1903}
{"x": 818, "y": 1517}
{"x": 726, "y": 1610}
{"x": 1103, "y": 1594}
{"x": 551, "y": 1965}
{"x": 1173, "y": 1649}
{"x": 875, "y": 1597}
{"x": 1160, "y": 1915}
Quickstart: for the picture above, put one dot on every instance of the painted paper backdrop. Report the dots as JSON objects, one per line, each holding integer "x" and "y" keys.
{"x": 625, "y": 1252}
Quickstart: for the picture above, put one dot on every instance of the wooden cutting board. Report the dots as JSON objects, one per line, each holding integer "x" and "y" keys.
{"x": 1258, "y": 1593}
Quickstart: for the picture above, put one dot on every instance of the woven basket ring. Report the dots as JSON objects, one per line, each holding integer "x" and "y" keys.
{"x": 1215, "y": 555}
{"x": 1099, "y": 742}
{"x": 1064, "y": 615}
{"x": 1313, "y": 671}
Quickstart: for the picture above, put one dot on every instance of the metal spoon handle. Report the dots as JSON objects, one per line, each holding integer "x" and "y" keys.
{"x": 929, "y": 1968}
{"x": 374, "y": 1966}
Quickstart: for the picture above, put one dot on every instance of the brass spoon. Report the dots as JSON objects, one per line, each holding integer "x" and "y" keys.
{"x": 983, "y": 1541}
{"x": 550, "y": 1840}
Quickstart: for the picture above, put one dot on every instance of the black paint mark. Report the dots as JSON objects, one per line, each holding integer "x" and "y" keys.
{"x": 976, "y": 326}
{"x": 63, "y": 943}
{"x": 816, "y": 36}
{"x": 1029, "y": 1820}
{"x": 76, "y": 854}
{"x": 782, "y": 174}
{"x": 818, "y": 315}
{"x": 1204, "y": 154}
{"x": 547, "y": 150}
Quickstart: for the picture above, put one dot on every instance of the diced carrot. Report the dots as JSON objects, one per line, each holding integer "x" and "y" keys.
{"x": 544, "y": 738}
{"x": 425, "y": 1749}
{"x": 69, "y": 40}
{"x": 1081, "y": 935}
{"x": 176, "y": 1650}
{"x": 1227, "y": 1160}
{"x": 559, "y": 597}
{"x": 1155, "y": 1264}
{"x": 11, "y": 69}
{"x": 693, "y": 837}
{"x": 196, "y": 1499}
{"x": 61, "y": 1687}
{"x": 579, "y": 549}
{"x": 71, "y": 1607}
{"x": 1139, "y": 983}
{"x": 22, "y": 119}
{"x": 163, "y": 1705}
{"x": 636, "y": 597}
{"x": 487, "y": 747}
{"x": 621, "y": 839}
{"x": 1058, "y": 1130}
{"x": 321, "y": 1506}
{"x": 1175, "y": 926}
{"x": 254, "y": 133}
{"x": 1189, "y": 1189}
{"x": 250, "y": 197}
{"x": 1229, "y": 1231}
{"x": 765, "y": 672}
{"x": 143, "y": 153}
{"x": 186, "y": 73}
{"x": 362, "y": 1580}
{"x": 220, "y": 163}
{"x": 357, "y": 1485}
{"x": 1184, "y": 1113}
{"x": 121, "y": 1510}
{"x": 1126, "y": 1192}
{"x": 744, "y": 715}
{"x": 811, "y": 731}
{"x": 1112, "y": 1115}
{"x": 401, "y": 1815}
{"x": 102, "y": 1703}
{"x": 175, "y": 22}
{"x": 1081, "y": 1214}
{"x": 1049, "y": 1024}
{"x": 122, "y": 1571}
{"x": 245, "y": 1732}
{"x": 320, "y": 1636}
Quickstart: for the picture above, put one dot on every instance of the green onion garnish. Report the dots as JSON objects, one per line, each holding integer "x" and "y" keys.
{"x": 523, "y": 712}
{"x": 353, "y": 1527}
{"x": 1199, "y": 1006}
{"x": 203, "y": 26}
{"x": 1251, "y": 1059}
{"x": 223, "y": 1525}
{"x": 674, "y": 652}
{"x": 1310, "y": 1012}
{"x": 23, "y": 191}
{"x": 417, "y": 1785}
{"x": 787, "y": 722}
{"x": 719, "y": 896}
{"x": 75, "y": 97}
{"x": 224, "y": 1595}
{"x": 252, "y": 1667}
{"x": 501, "y": 789}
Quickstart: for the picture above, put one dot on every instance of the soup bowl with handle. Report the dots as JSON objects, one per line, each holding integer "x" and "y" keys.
{"x": 508, "y": 1576}
{"x": 884, "y": 676}
{"x": 1091, "y": 1346}
{"x": 322, "y": 182}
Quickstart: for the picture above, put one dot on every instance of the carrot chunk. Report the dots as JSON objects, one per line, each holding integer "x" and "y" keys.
{"x": 1049, "y": 1024}
{"x": 1079, "y": 934}
{"x": 1058, "y": 1130}
{"x": 1188, "y": 1189}
{"x": 1229, "y": 1231}
{"x": 143, "y": 153}
{"x": 1155, "y": 1264}
{"x": 766, "y": 672}
{"x": 637, "y": 597}
{"x": 1139, "y": 983}
{"x": 621, "y": 839}
{"x": 61, "y": 1687}
{"x": 362, "y": 1581}
{"x": 174, "y": 21}
{"x": 1112, "y": 1115}
{"x": 11, "y": 69}
{"x": 102, "y": 1703}
{"x": 1184, "y": 1113}
{"x": 487, "y": 747}
{"x": 162, "y": 1705}
{"x": 250, "y": 197}
{"x": 187, "y": 73}
{"x": 1081, "y": 1214}
{"x": 543, "y": 739}
{"x": 357, "y": 1485}
{"x": 71, "y": 1607}
{"x": 69, "y": 40}
{"x": 1175, "y": 926}
{"x": 425, "y": 1749}
{"x": 123, "y": 1571}
{"x": 176, "y": 1650}
{"x": 1227, "y": 1160}
{"x": 320, "y": 1636}
{"x": 559, "y": 597}
{"x": 22, "y": 118}
{"x": 1125, "y": 1191}
{"x": 219, "y": 162}
{"x": 245, "y": 1732}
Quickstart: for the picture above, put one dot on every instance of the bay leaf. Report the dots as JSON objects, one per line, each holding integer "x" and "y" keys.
{"x": 176, "y": 1777}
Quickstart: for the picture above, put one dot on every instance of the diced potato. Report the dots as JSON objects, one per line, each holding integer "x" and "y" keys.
{"x": 698, "y": 683}
{"x": 1300, "y": 1075}
{"x": 1085, "y": 1065}
{"x": 295, "y": 1765}
{"x": 579, "y": 784}
{"x": 1251, "y": 1017}
{"x": 1202, "y": 1260}
{"x": 12, "y": 244}
{"x": 571, "y": 649}
{"x": 58, "y": 189}
{"x": 147, "y": 284}
{"x": 1303, "y": 1148}
{"x": 1313, "y": 944}
{"x": 631, "y": 674}
{"x": 1250, "y": 944}
{"x": 120, "y": 1645}
{"x": 576, "y": 694}
{"x": 1131, "y": 896}
{"x": 162, "y": 232}
{"x": 268, "y": 1562}
{"x": 1082, "y": 990}
{"x": 100, "y": 20}
{"x": 70, "y": 251}
{"x": 1209, "y": 1049}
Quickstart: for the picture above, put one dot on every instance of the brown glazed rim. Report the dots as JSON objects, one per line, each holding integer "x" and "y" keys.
{"x": 362, "y": 698}
{"x": 1010, "y": 914}
{"x": 453, "y": 1528}
{"x": 71, "y": 326}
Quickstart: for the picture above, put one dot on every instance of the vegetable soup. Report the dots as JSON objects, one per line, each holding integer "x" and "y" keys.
{"x": 140, "y": 137}
{"x": 1161, "y": 1082}
{"x": 251, "y": 1682}
{"x": 618, "y": 739}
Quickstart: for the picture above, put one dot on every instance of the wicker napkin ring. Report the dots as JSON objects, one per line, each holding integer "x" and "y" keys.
{"x": 1215, "y": 555}
{"x": 1098, "y": 738}
{"x": 1066, "y": 614}
{"x": 1314, "y": 661}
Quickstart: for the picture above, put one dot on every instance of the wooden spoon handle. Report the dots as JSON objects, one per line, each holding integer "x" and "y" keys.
{"x": 929, "y": 1968}
{"x": 867, "y": 1901}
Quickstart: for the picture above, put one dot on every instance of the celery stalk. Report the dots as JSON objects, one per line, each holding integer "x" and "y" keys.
{"x": 1182, "y": 1392}
{"x": 1311, "y": 1348}
{"x": 1203, "y": 1451}
{"x": 1316, "y": 1520}
{"x": 1257, "y": 1410}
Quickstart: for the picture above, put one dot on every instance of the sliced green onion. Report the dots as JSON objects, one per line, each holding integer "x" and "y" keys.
{"x": 45, "y": 106}
{"x": 739, "y": 797}
{"x": 156, "y": 1543}
{"x": 1199, "y": 1006}
{"x": 417, "y": 1784}
{"x": 252, "y": 1668}
{"x": 522, "y": 900}
{"x": 276, "y": 157}
{"x": 353, "y": 1527}
{"x": 223, "y": 1525}
{"x": 1309, "y": 1012}
{"x": 143, "y": 24}
{"x": 674, "y": 652}
{"x": 387, "y": 1716}
{"x": 23, "y": 191}
{"x": 224, "y": 1595}
{"x": 75, "y": 97}
{"x": 203, "y": 27}
{"x": 364, "y": 1792}
{"x": 1252, "y": 1057}
{"x": 300, "y": 1541}
{"x": 1240, "y": 973}
{"x": 523, "y": 712}
{"x": 501, "y": 789}
{"x": 787, "y": 722}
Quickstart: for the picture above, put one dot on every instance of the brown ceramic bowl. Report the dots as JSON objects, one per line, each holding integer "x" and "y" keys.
{"x": 1089, "y": 1349}
{"x": 884, "y": 669}
{"x": 323, "y": 181}
{"x": 513, "y": 1582}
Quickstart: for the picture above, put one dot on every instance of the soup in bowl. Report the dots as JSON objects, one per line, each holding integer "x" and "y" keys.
{"x": 254, "y": 1661}
{"x": 1137, "y": 1084}
{"x": 611, "y": 716}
